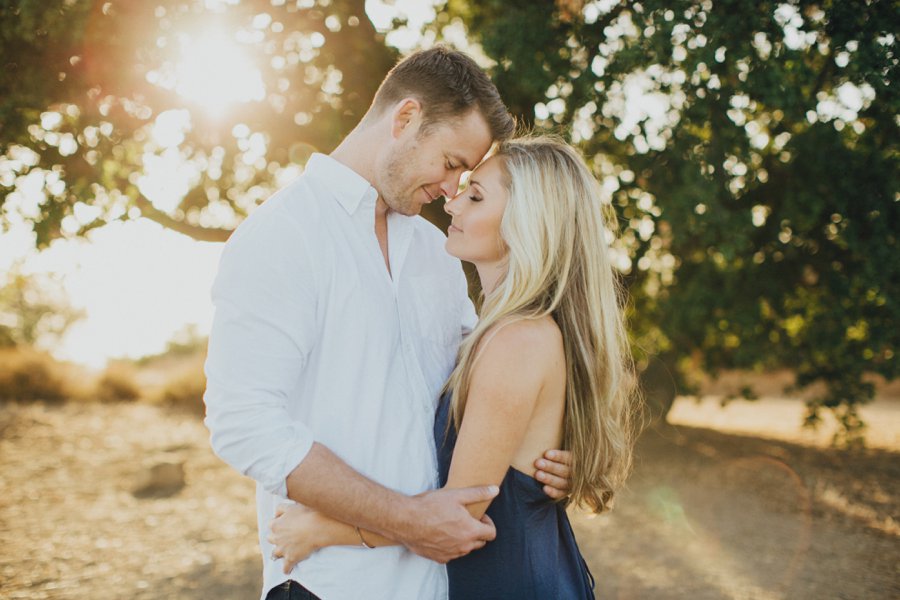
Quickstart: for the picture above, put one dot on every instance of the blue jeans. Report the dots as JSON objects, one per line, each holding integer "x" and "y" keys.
{"x": 290, "y": 590}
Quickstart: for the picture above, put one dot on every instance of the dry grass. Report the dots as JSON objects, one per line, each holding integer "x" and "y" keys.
{"x": 118, "y": 383}
{"x": 186, "y": 392}
{"x": 28, "y": 375}
{"x": 174, "y": 380}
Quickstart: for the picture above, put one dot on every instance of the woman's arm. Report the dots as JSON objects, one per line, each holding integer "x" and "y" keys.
{"x": 507, "y": 380}
{"x": 298, "y": 531}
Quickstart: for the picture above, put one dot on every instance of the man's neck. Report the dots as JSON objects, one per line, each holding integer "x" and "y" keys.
{"x": 358, "y": 151}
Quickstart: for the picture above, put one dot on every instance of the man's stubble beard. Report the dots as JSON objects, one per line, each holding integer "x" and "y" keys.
{"x": 399, "y": 170}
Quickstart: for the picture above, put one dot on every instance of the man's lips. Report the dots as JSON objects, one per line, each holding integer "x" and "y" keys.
{"x": 454, "y": 228}
{"x": 431, "y": 197}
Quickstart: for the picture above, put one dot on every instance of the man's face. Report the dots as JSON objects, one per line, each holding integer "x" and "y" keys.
{"x": 421, "y": 167}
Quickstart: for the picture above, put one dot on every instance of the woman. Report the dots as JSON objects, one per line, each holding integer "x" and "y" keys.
{"x": 548, "y": 364}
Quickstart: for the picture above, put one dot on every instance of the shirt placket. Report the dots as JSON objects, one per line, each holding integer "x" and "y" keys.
{"x": 400, "y": 231}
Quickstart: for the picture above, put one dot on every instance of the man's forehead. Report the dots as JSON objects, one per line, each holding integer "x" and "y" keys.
{"x": 469, "y": 140}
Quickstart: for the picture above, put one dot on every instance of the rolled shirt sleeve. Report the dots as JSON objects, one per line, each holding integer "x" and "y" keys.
{"x": 262, "y": 333}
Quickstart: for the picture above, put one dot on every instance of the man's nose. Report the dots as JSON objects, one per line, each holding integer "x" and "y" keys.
{"x": 450, "y": 185}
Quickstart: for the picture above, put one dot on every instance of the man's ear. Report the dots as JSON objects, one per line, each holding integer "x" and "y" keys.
{"x": 406, "y": 117}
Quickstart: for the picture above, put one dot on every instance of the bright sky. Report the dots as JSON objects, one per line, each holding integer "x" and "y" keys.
{"x": 139, "y": 283}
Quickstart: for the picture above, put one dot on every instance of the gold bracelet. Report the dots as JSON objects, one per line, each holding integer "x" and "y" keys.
{"x": 363, "y": 540}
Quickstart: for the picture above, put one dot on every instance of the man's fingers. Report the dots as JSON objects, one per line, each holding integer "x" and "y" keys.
{"x": 552, "y": 480}
{"x": 280, "y": 509}
{"x": 560, "y": 468}
{"x": 474, "y": 495}
{"x": 559, "y": 456}
{"x": 486, "y": 532}
{"x": 554, "y": 493}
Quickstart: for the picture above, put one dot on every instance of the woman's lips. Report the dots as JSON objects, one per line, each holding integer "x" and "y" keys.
{"x": 454, "y": 228}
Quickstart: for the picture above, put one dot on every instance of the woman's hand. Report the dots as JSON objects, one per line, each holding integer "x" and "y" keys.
{"x": 296, "y": 532}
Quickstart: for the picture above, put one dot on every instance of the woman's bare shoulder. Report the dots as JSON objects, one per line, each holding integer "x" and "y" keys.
{"x": 525, "y": 344}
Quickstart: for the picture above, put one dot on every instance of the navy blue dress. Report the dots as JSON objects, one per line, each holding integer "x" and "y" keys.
{"x": 534, "y": 556}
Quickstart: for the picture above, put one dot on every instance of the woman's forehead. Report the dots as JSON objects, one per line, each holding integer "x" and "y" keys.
{"x": 489, "y": 174}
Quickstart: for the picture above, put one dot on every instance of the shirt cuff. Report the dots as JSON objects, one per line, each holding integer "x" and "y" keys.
{"x": 292, "y": 459}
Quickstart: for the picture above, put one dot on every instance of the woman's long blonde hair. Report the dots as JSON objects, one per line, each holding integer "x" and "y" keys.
{"x": 555, "y": 227}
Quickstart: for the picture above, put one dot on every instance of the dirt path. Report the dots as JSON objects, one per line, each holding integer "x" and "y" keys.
{"x": 707, "y": 515}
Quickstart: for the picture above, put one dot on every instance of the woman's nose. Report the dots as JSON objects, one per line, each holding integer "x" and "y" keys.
{"x": 448, "y": 208}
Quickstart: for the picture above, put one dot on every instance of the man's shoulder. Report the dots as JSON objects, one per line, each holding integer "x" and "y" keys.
{"x": 286, "y": 213}
{"x": 430, "y": 233}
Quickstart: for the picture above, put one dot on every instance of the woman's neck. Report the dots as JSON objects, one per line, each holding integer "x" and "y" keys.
{"x": 490, "y": 274}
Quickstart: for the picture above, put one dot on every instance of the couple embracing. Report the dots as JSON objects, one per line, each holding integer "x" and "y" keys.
{"x": 399, "y": 442}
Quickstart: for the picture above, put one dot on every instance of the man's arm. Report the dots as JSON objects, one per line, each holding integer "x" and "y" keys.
{"x": 435, "y": 524}
{"x": 261, "y": 336}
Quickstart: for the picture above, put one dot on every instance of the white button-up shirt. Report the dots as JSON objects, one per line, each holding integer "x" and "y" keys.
{"x": 313, "y": 340}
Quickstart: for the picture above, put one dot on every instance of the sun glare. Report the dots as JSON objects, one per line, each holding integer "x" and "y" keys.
{"x": 215, "y": 73}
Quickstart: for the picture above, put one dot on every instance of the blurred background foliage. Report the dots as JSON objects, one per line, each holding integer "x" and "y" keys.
{"x": 750, "y": 148}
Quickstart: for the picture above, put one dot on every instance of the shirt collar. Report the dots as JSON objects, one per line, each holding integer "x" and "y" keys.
{"x": 347, "y": 186}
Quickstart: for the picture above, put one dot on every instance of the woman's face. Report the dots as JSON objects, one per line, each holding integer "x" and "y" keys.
{"x": 474, "y": 233}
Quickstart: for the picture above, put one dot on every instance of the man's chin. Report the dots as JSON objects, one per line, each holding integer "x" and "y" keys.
{"x": 410, "y": 209}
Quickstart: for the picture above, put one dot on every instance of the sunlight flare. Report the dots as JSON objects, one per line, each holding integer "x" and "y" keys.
{"x": 215, "y": 73}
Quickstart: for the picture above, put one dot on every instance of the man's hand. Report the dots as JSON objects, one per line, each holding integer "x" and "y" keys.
{"x": 441, "y": 527}
{"x": 554, "y": 470}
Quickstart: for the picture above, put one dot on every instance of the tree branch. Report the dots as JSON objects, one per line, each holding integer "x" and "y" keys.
{"x": 201, "y": 234}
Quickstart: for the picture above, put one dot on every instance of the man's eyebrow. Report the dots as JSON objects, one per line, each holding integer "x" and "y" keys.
{"x": 460, "y": 160}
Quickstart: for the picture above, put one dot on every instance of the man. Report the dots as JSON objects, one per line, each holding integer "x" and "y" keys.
{"x": 338, "y": 316}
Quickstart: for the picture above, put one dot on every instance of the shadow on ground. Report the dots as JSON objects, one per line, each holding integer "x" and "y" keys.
{"x": 709, "y": 515}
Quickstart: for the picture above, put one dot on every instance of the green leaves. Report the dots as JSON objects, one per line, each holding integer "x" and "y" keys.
{"x": 765, "y": 135}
